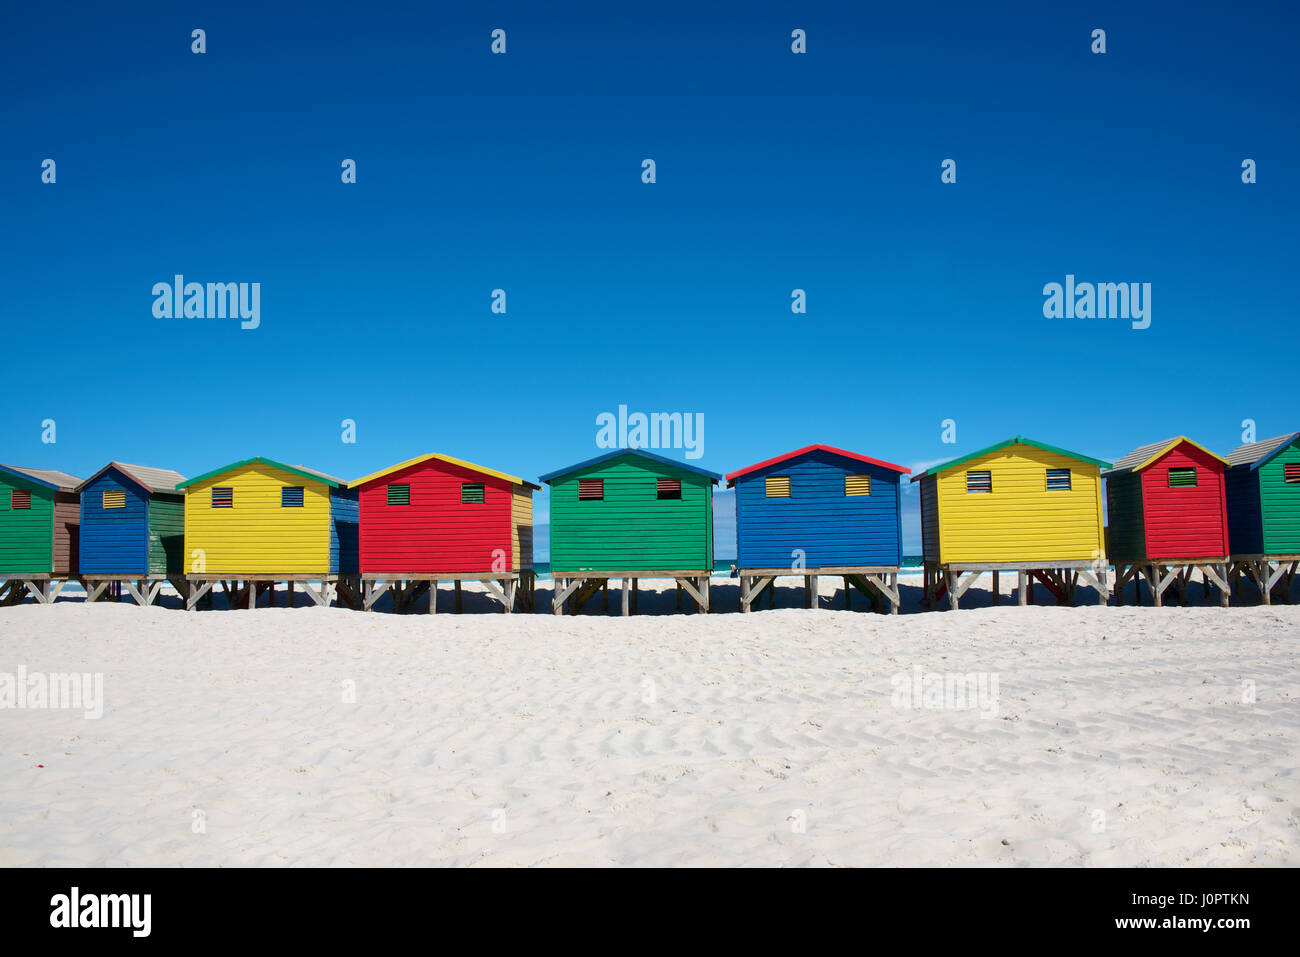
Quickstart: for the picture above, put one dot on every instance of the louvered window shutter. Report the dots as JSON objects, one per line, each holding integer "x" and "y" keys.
{"x": 668, "y": 488}
{"x": 778, "y": 486}
{"x": 1058, "y": 480}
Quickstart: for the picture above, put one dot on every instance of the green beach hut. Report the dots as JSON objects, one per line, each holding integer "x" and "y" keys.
{"x": 39, "y": 516}
{"x": 630, "y": 514}
{"x": 1263, "y": 486}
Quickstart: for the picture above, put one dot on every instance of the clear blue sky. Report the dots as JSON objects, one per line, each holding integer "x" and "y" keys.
{"x": 523, "y": 172}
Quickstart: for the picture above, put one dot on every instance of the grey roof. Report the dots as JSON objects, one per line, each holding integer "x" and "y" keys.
{"x": 151, "y": 479}
{"x": 63, "y": 480}
{"x": 325, "y": 475}
{"x": 1256, "y": 453}
{"x": 1139, "y": 455}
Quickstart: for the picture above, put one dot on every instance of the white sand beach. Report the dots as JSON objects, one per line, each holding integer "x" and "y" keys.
{"x": 1118, "y": 736}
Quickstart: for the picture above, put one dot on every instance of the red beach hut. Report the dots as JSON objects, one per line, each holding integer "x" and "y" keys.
{"x": 1167, "y": 516}
{"x": 437, "y": 518}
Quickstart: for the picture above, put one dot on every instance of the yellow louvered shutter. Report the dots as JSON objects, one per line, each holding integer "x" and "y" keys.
{"x": 778, "y": 486}
{"x": 857, "y": 485}
{"x": 115, "y": 498}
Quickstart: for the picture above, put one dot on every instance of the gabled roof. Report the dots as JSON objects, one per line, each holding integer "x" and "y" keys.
{"x": 50, "y": 478}
{"x": 642, "y": 453}
{"x": 1146, "y": 455}
{"x": 302, "y": 470}
{"x": 1256, "y": 454}
{"x": 807, "y": 449}
{"x": 1018, "y": 440}
{"x": 512, "y": 479}
{"x": 149, "y": 479}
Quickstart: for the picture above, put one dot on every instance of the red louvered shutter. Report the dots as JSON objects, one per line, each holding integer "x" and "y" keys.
{"x": 669, "y": 488}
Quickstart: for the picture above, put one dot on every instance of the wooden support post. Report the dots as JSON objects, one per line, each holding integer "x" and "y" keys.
{"x": 433, "y": 596}
{"x": 848, "y": 595}
{"x": 1023, "y": 588}
{"x": 953, "y": 597}
{"x": 458, "y": 596}
{"x": 627, "y": 596}
{"x": 635, "y": 586}
{"x": 997, "y": 587}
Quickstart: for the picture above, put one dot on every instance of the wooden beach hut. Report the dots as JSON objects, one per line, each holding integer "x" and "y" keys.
{"x": 1263, "y": 485}
{"x": 819, "y": 511}
{"x": 39, "y": 514}
{"x": 1167, "y": 517}
{"x": 1020, "y": 506}
{"x": 436, "y": 518}
{"x": 132, "y": 531}
{"x": 256, "y": 522}
{"x": 630, "y": 514}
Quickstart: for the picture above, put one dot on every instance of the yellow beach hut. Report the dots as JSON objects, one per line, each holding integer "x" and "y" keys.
{"x": 1020, "y": 506}
{"x": 256, "y": 522}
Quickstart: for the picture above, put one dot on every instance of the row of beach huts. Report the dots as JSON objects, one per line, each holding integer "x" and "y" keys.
{"x": 1019, "y": 507}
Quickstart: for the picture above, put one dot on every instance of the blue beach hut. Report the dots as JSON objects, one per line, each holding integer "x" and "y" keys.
{"x": 819, "y": 511}
{"x": 132, "y": 531}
